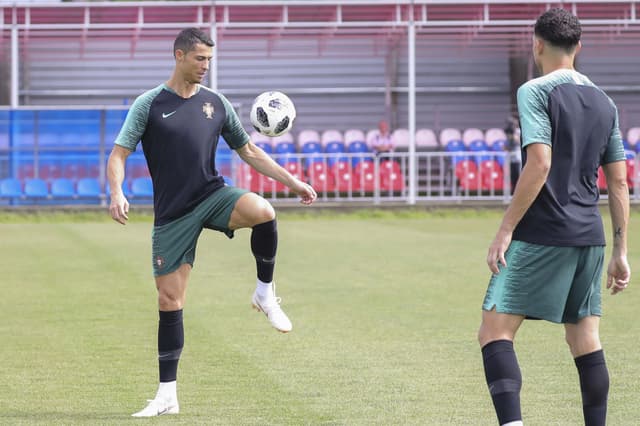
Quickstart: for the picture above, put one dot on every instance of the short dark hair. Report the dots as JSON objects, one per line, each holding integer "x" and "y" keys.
{"x": 189, "y": 37}
{"x": 560, "y": 28}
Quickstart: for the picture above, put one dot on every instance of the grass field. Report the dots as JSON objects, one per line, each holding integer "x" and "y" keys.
{"x": 385, "y": 309}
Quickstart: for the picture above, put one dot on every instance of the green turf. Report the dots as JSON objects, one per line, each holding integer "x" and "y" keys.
{"x": 385, "y": 309}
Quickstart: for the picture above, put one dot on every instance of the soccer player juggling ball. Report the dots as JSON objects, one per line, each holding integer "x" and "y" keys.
{"x": 548, "y": 253}
{"x": 179, "y": 123}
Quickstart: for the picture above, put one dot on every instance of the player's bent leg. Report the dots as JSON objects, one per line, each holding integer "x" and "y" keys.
{"x": 584, "y": 341}
{"x": 501, "y": 368}
{"x": 255, "y": 212}
{"x": 171, "y": 295}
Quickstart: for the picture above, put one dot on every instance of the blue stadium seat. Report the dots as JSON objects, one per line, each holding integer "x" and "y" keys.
{"x": 285, "y": 152}
{"x": 358, "y": 147}
{"x": 456, "y": 146}
{"x": 89, "y": 188}
{"x": 10, "y": 188}
{"x": 335, "y": 147}
{"x": 499, "y": 146}
{"x": 142, "y": 187}
{"x": 266, "y": 147}
{"x": 479, "y": 145}
{"x": 36, "y": 188}
{"x": 62, "y": 188}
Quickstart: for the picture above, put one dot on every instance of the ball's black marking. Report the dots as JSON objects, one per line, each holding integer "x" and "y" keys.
{"x": 262, "y": 117}
{"x": 282, "y": 125}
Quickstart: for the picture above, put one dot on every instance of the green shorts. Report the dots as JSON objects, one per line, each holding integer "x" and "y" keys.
{"x": 174, "y": 243}
{"x": 558, "y": 284}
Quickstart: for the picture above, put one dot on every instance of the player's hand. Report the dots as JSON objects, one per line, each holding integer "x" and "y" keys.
{"x": 305, "y": 191}
{"x": 497, "y": 249}
{"x": 119, "y": 208}
{"x": 618, "y": 274}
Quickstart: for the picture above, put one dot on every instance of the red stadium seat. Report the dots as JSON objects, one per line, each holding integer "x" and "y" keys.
{"x": 463, "y": 167}
{"x": 602, "y": 180}
{"x": 364, "y": 180}
{"x": 631, "y": 172}
{"x": 469, "y": 180}
{"x": 321, "y": 179}
{"x": 491, "y": 176}
{"x": 390, "y": 180}
{"x": 390, "y": 164}
{"x": 363, "y": 166}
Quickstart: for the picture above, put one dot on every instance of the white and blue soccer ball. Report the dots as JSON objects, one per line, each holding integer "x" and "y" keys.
{"x": 272, "y": 113}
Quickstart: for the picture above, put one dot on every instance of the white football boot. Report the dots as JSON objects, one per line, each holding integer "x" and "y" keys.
{"x": 270, "y": 306}
{"x": 158, "y": 407}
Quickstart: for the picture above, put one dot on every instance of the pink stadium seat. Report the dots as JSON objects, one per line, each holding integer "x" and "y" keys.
{"x": 306, "y": 136}
{"x": 472, "y": 134}
{"x": 331, "y": 136}
{"x": 493, "y": 135}
{"x": 257, "y": 137}
{"x": 449, "y": 134}
{"x": 354, "y": 135}
{"x": 426, "y": 138}
{"x": 633, "y": 136}
{"x": 400, "y": 138}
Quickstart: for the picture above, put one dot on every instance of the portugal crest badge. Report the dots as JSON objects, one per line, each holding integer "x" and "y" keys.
{"x": 207, "y": 108}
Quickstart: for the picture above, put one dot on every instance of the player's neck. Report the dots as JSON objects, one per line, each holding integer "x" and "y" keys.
{"x": 561, "y": 63}
{"x": 181, "y": 87}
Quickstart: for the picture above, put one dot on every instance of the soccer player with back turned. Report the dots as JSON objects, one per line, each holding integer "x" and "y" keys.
{"x": 179, "y": 123}
{"x": 548, "y": 253}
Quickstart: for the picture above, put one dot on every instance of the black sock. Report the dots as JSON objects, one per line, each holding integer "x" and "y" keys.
{"x": 170, "y": 343}
{"x": 503, "y": 378}
{"x": 594, "y": 384}
{"x": 264, "y": 242}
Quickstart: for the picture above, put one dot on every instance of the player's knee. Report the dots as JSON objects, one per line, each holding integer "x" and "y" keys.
{"x": 264, "y": 212}
{"x": 169, "y": 301}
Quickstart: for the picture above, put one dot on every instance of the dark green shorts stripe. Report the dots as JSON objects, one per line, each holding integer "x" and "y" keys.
{"x": 558, "y": 284}
{"x": 175, "y": 243}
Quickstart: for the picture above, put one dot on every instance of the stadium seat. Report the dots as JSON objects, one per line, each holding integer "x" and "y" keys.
{"x": 354, "y": 135}
{"x": 334, "y": 148}
{"x": 312, "y": 152}
{"x": 142, "y": 187}
{"x": 479, "y": 145}
{"x": 329, "y": 136}
{"x": 456, "y": 146}
{"x": 266, "y": 147}
{"x": 259, "y": 138}
{"x": 426, "y": 140}
{"x": 390, "y": 165}
{"x": 26, "y": 171}
{"x": 472, "y": 134}
{"x": 391, "y": 180}
{"x": 320, "y": 178}
{"x": 400, "y": 138}
{"x": 359, "y": 151}
{"x": 364, "y": 180}
{"x": 10, "y": 188}
{"x": 449, "y": 134}
{"x": 491, "y": 175}
{"x": 633, "y": 137}
{"x": 88, "y": 188}
{"x": 306, "y": 136}
{"x": 362, "y": 166}
{"x": 463, "y": 167}
{"x": 344, "y": 177}
{"x": 630, "y": 155}
{"x": 602, "y": 180}
{"x": 284, "y": 138}
{"x": 36, "y": 188}
{"x": 63, "y": 188}
{"x": 295, "y": 169}
{"x": 494, "y": 135}
{"x": 631, "y": 172}
{"x": 285, "y": 152}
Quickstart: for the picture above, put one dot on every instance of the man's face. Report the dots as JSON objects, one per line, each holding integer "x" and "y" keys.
{"x": 538, "y": 48}
{"x": 194, "y": 64}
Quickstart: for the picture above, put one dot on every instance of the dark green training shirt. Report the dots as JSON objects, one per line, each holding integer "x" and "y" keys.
{"x": 566, "y": 111}
{"x": 179, "y": 139}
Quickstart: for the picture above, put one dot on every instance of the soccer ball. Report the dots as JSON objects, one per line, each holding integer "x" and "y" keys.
{"x": 272, "y": 113}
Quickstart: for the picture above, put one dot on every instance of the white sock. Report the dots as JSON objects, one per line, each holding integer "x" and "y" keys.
{"x": 264, "y": 289}
{"x": 167, "y": 391}
{"x": 514, "y": 423}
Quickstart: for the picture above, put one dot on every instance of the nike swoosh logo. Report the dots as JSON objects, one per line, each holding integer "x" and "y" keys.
{"x": 165, "y": 115}
{"x": 161, "y": 412}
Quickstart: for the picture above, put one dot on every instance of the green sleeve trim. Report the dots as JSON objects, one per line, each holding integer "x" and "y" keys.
{"x": 136, "y": 122}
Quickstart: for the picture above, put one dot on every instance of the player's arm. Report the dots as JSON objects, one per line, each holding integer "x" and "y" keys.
{"x": 532, "y": 178}
{"x": 618, "y": 271}
{"x": 119, "y": 206}
{"x": 263, "y": 163}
